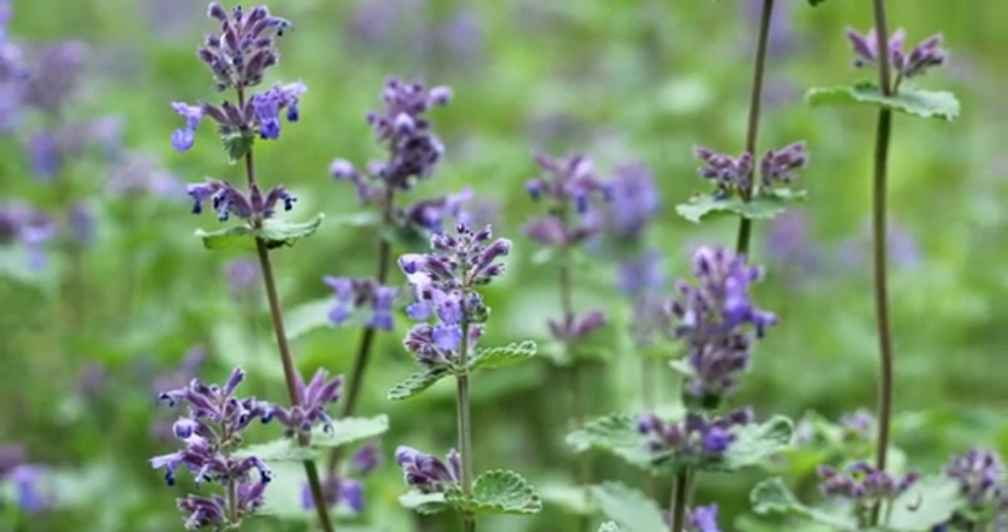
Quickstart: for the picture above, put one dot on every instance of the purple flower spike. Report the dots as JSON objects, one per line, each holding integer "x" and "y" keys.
{"x": 245, "y": 47}
{"x": 777, "y": 166}
{"x": 694, "y": 436}
{"x": 727, "y": 172}
{"x": 863, "y": 483}
{"x": 268, "y": 105}
{"x": 352, "y": 294}
{"x": 713, "y": 318}
{"x": 927, "y": 54}
{"x": 577, "y": 327}
{"x": 313, "y": 401}
{"x": 427, "y": 473}
{"x": 366, "y": 459}
{"x": 567, "y": 182}
{"x": 634, "y": 201}
{"x": 702, "y": 519}
{"x": 228, "y": 200}
{"x": 980, "y": 473}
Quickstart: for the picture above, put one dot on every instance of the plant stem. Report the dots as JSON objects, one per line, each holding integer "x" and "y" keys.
{"x": 678, "y": 508}
{"x": 356, "y": 382}
{"x": 232, "y": 501}
{"x": 464, "y": 425}
{"x": 276, "y": 315}
{"x": 755, "y": 100}
{"x": 882, "y": 136}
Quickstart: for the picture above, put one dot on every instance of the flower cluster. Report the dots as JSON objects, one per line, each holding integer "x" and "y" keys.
{"x": 210, "y": 432}
{"x": 343, "y": 489}
{"x": 54, "y": 76}
{"x": 238, "y": 57}
{"x": 444, "y": 283}
{"x": 574, "y": 327}
{"x": 634, "y": 200}
{"x": 714, "y": 318}
{"x": 863, "y": 483}
{"x": 859, "y": 424}
{"x": 413, "y": 148}
{"x": 980, "y": 474}
{"x": 431, "y": 214}
{"x": 312, "y": 401}
{"x": 928, "y": 53}
{"x": 227, "y": 200}
{"x": 567, "y": 181}
{"x": 138, "y": 175}
{"x": 702, "y": 519}
{"x": 351, "y": 294}
{"x": 693, "y": 436}
{"x": 427, "y": 473}
{"x": 31, "y": 227}
{"x": 734, "y": 174}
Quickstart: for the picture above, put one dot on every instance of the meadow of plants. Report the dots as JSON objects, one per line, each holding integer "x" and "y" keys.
{"x": 436, "y": 265}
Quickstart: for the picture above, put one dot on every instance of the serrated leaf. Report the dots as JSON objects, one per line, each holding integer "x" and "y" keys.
{"x": 910, "y": 100}
{"x": 574, "y": 499}
{"x": 628, "y": 507}
{"x": 239, "y": 237}
{"x": 423, "y": 503}
{"x": 279, "y": 450}
{"x": 617, "y": 434}
{"x": 277, "y": 233}
{"x": 773, "y": 496}
{"x": 416, "y": 383}
{"x": 765, "y": 206}
{"x": 497, "y": 492}
{"x": 349, "y": 430}
{"x": 237, "y": 145}
{"x": 503, "y": 356}
{"x": 930, "y": 501}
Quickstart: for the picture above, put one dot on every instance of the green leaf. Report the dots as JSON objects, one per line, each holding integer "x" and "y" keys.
{"x": 773, "y": 496}
{"x": 616, "y": 434}
{"x": 930, "y": 501}
{"x": 307, "y": 317}
{"x": 628, "y": 507}
{"x": 815, "y": 3}
{"x": 423, "y": 503}
{"x": 416, "y": 383}
{"x": 765, "y": 206}
{"x": 503, "y": 356}
{"x": 500, "y": 492}
{"x": 910, "y": 100}
{"x": 357, "y": 219}
{"x": 755, "y": 443}
{"x": 237, "y": 145}
{"x": 239, "y": 237}
{"x": 279, "y": 450}
{"x": 610, "y": 526}
{"x": 349, "y": 430}
{"x": 574, "y": 499}
{"x": 277, "y": 233}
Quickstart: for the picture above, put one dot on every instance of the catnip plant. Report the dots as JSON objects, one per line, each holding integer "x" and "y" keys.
{"x": 452, "y": 318}
{"x": 239, "y": 58}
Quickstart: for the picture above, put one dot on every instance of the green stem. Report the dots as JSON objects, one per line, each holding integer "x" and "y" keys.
{"x": 755, "y": 100}
{"x": 679, "y": 497}
{"x": 464, "y": 424}
{"x": 882, "y": 136}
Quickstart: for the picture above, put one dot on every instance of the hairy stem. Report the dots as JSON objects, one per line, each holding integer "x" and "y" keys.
{"x": 232, "y": 501}
{"x": 882, "y": 136}
{"x": 276, "y": 315}
{"x": 464, "y": 425}
{"x": 679, "y": 498}
{"x": 755, "y": 100}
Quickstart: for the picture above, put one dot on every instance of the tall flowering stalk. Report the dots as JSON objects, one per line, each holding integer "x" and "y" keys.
{"x": 238, "y": 58}
{"x": 413, "y": 152}
{"x": 452, "y": 318}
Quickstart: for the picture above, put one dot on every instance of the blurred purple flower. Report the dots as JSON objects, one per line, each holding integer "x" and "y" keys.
{"x": 11, "y": 456}
{"x": 863, "y": 484}
{"x": 312, "y": 404}
{"x": 634, "y": 200}
{"x": 28, "y": 226}
{"x": 138, "y": 175}
{"x": 859, "y": 424}
{"x": 46, "y": 155}
{"x": 431, "y": 214}
{"x": 243, "y": 277}
{"x": 902, "y": 248}
{"x": 789, "y": 243}
{"x": 576, "y": 327}
{"x": 734, "y": 174}
{"x": 82, "y": 223}
{"x": 337, "y": 490}
{"x": 927, "y": 54}
{"x": 702, "y": 519}
{"x": 228, "y": 200}
{"x": 353, "y": 294}
{"x": 366, "y": 459}
{"x": 693, "y": 436}
{"x": 782, "y": 38}
{"x": 713, "y": 317}
{"x": 245, "y": 47}
{"x": 427, "y": 473}
{"x": 55, "y": 74}
{"x": 980, "y": 473}
{"x": 30, "y": 493}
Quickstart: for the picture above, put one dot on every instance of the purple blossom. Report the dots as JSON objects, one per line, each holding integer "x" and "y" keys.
{"x": 641, "y": 275}
{"x": 713, "y": 319}
{"x": 403, "y": 127}
{"x": 702, "y": 519}
{"x": 735, "y": 174}
{"x": 431, "y": 214}
{"x": 778, "y": 166}
{"x": 30, "y": 491}
{"x": 427, "y": 473}
{"x": 863, "y": 483}
{"x": 54, "y": 76}
{"x": 138, "y": 175}
{"x": 228, "y": 200}
{"x": 11, "y": 456}
{"x": 634, "y": 200}
{"x": 245, "y": 47}
{"x": 178, "y": 377}
{"x": 46, "y": 155}
{"x": 82, "y": 223}
{"x": 243, "y": 277}
{"x": 313, "y": 401}
{"x": 183, "y": 139}
{"x": 337, "y": 490}
{"x": 444, "y": 283}
{"x": 927, "y": 54}
{"x": 695, "y": 436}
{"x": 571, "y": 181}
{"x": 980, "y": 473}
{"x": 268, "y": 105}
{"x": 790, "y": 244}
{"x": 366, "y": 459}
{"x": 352, "y": 294}
{"x": 859, "y": 424}
{"x": 576, "y": 327}
{"x": 209, "y": 432}
{"x": 30, "y": 227}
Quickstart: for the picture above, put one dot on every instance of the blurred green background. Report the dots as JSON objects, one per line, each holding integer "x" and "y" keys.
{"x": 84, "y": 339}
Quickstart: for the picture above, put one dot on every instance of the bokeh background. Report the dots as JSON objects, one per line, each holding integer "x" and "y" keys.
{"x": 123, "y": 299}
